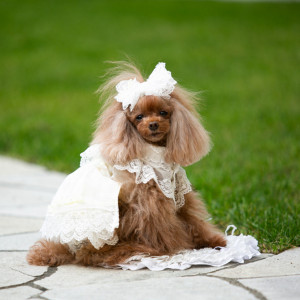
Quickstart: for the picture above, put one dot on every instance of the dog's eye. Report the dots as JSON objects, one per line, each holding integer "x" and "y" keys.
{"x": 163, "y": 113}
{"x": 139, "y": 117}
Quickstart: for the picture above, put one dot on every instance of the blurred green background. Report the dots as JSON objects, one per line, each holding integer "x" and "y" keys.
{"x": 244, "y": 57}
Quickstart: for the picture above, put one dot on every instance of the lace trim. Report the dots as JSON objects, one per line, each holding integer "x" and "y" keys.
{"x": 183, "y": 187}
{"x": 75, "y": 227}
{"x": 174, "y": 188}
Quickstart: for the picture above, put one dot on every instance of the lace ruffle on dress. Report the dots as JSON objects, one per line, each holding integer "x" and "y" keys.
{"x": 85, "y": 206}
{"x": 170, "y": 177}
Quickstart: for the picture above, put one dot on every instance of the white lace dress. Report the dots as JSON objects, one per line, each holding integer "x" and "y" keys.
{"x": 85, "y": 206}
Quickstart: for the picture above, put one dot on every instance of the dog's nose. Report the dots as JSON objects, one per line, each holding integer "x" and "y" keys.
{"x": 153, "y": 126}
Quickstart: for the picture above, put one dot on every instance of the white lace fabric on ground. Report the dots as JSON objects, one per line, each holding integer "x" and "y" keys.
{"x": 85, "y": 206}
{"x": 238, "y": 249}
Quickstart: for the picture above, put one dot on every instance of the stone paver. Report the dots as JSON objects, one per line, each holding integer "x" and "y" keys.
{"x": 12, "y": 225}
{"x": 18, "y": 173}
{"x": 22, "y": 292}
{"x": 24, "y": 202}
{"x": 25, "y": 192}
{"x": 16, "y": 261}
{"x": 192, "y": 288}
{"x": 11, "y": 277}
{"x": 286, "y": 263}
{"x": 276, "y": 288}
{"x": 66, "y": 275}
{"x": 18, "y": 242}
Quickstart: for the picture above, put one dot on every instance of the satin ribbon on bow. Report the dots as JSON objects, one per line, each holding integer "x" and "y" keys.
{"x": 159, "y": 83}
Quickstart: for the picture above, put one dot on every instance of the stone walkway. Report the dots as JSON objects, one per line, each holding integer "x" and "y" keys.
{"x": 25, "y": 192}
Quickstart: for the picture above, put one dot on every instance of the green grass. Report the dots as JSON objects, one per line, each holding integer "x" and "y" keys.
{"x": 243, "y": 56}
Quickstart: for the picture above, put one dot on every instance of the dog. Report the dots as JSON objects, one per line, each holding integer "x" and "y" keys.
{"x": 159, "y": 115}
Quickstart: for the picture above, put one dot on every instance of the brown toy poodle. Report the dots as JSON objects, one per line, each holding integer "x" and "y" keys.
{"x": 150, "y": 221}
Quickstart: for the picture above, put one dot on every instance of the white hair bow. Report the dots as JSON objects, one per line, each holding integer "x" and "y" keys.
{"x": 159, "y": 83}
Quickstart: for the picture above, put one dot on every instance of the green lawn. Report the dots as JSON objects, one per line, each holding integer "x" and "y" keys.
{"x": 245, "y": 57}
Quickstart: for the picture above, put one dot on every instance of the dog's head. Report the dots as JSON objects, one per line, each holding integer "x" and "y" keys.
{"x": 172, "y": 123}
{"x": 151, "y": 117}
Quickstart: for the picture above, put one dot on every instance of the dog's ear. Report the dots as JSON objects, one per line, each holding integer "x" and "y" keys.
{"x": 119, "y": 140}
{"x": 187, "y": 141}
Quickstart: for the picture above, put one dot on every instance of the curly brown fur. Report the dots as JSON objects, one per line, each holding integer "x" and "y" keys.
{"x": 46, "y": 253}
{"x": 149, "y": 222}
{"x": 194, "y": 216}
